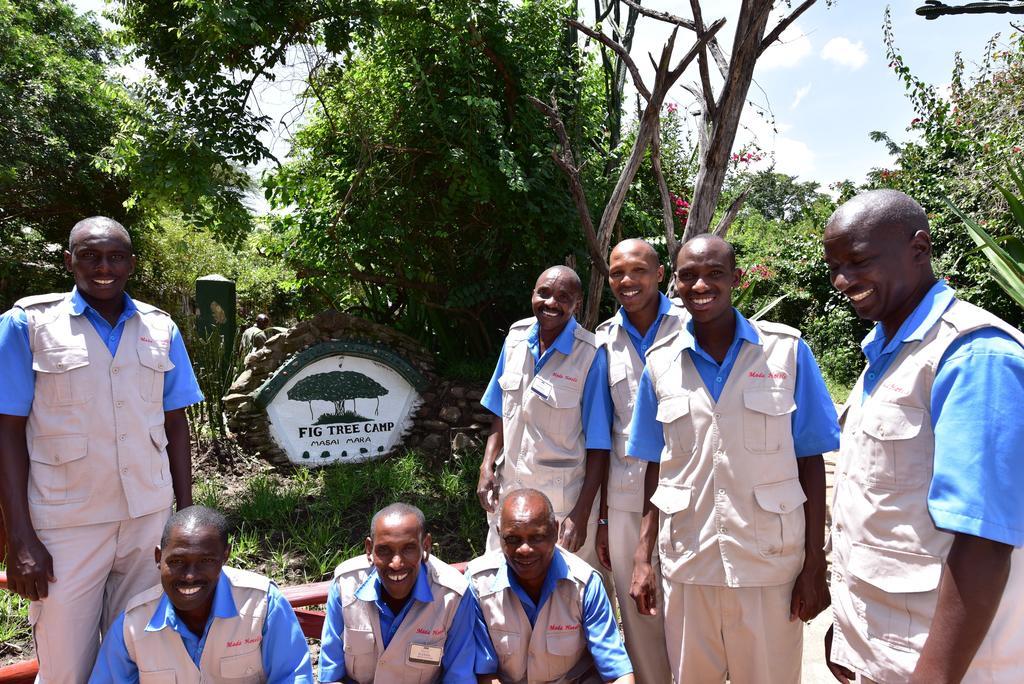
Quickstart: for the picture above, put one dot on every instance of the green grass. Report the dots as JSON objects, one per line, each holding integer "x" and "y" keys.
{"x": 839, "y": 390}
{"x": 15, "y": 633}
{"x": 297, "y": 526}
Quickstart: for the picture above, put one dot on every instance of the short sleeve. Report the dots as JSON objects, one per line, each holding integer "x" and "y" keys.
{"x": 458, "y": 661}
{"x": 603, "y": 638}
{"x": 486, "y": 658}
{"x": 597, "y": 404}
{"x": 181, "y": 388}
{"x": 978, "y": 469}
{"x": 332, "y": 643}
{"x": 815, "y": 424}
{"x": 492, "y": 395}
{"x": 646, "y": 436}
{"x": 284, "y": 649}
{"x": 16, "y": 364}
{"x": 113, "y": 664}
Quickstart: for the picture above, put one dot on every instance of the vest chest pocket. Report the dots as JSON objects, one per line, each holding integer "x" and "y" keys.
{"x": 766, "y": 420}
{"x": 360, "y": 654}
{"x": 60, "y": 377}
{"x": 157, "y": 677}
{"x": 779, "y": 518}
{"x": 245, "y": 668}
{"x": 621, "y": 390}
{"x": 153, "y": 363}
{"x": 510, "y": 398}
{"x": 564, "y": 648}
{"x": 674, "y": 414}
{"x": 558, "y": 414}
{"x": 898, "y": 591}
{"x": 58, "y": 473}
{"x": 159, "y": 464}
{"x": 897, "y": 459}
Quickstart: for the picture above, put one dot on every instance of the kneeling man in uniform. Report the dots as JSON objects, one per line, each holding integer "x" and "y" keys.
{"x": 398, "y": 614}
{"x": 547, "y": 614}
{"x": 205, "y": 622}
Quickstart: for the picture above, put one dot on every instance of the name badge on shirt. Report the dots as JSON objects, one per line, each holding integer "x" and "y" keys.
{"x": 430, "y": 655}
{"x": 541, "y": 387}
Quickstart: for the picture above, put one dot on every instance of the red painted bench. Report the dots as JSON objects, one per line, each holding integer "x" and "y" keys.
{"x": 299, "y": 595}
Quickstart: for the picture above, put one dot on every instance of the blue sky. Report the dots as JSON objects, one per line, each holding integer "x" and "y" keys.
{"x": 827, "y": 84}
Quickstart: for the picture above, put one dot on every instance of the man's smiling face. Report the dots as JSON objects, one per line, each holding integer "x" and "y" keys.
{"x": 706, "y": 274}
{"x": 190, "y": 563}
{"x": 634, "y": 274}
{"x": 101, "y": 260}
{"x": 556, "y": 296}
{"x": 397, "y": 549}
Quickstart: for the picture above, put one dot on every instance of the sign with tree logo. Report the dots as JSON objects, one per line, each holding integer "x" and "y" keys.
{"x": 340, "y": 402}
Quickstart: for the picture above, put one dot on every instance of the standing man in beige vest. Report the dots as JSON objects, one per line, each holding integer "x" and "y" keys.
{"x": 645, "y": 317}
{"x": 549, "y": 395}
{"x": 733, "y": 416}
{"x": 204, "y": 622}
{"x": 399, "y": 615}
{"x": 94, "y": 444}
{"x": 927, "y": 572}
{"x": 547, "y": 614}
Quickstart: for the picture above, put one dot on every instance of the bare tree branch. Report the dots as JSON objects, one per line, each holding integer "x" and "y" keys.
{"x": 730, "y": 215}
{"x": 666, "y": 199}
{"x": 784, "y": 24}
{"x": 566, "y": 162}
{"x": 702, "y": 61}
{"x": 661, "y": 16}
{"x": 620, "y": 51}
{"x": 696, "y": 49}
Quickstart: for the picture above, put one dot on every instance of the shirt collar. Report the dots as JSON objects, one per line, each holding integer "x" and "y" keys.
{"x": 79, "y": 305}
{"x": 664, "y": 307}
{"x": 223, "y": 607}
{"x": 371, "y": 588}
{"x": 918, "y": 323}
{"x": 558, "y": 570}
{"x": 563, "y": 342}
{"x": 745, "y": 330}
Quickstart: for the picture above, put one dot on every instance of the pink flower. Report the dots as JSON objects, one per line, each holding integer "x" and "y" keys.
{"x": 1016, "y": 148}
{"x": 672, "y": 107}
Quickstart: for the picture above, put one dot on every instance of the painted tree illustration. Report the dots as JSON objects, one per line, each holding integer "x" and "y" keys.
{"x": 336, "y": 387}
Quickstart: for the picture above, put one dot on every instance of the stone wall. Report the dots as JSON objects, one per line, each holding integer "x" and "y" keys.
{"x": 449, "y": 419}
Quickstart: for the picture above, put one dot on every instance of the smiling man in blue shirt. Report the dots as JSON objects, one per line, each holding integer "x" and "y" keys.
{"x": 551, "y": 431}
{"x": 398, "y": 615}
{"x": 204, "y": 622}
{"x": 733, "y": 417}
{"x": 95, "y": 445}
{"x": 928, "y": 520}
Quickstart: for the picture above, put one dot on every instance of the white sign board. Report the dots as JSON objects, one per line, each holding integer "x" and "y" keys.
{"x": 341, "y": 408}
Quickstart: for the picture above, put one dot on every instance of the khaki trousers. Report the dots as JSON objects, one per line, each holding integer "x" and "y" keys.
{"x": 645, "y": 634}
{"x": 742, "y": 633}
{"x": 98, "y": 569}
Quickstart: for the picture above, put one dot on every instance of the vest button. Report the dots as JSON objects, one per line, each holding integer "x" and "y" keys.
{"x": 782, "y": 506}
{"x": 115, "y": 370}
{"x": 60, "y": 365}
{"x": 679, "y": 546}
{"x": 123, "y": 437}
{"x": 120, "y": 404}
{"x": 160, "y": 366}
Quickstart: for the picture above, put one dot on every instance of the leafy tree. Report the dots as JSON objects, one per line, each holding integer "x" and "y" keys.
{"x": 336, "y": 387}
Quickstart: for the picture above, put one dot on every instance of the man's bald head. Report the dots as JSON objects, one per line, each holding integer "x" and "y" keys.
{"x": 564, "y": 272}
{"x": 711, "y": 243}
{"x": 638, "y": 247}
{"x": 94, "y": 225}
{"x": 879, "y": 209}
{"x": 528, "y": 506}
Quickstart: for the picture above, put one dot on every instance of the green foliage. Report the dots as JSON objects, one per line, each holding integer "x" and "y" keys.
{"x": 962, "y": 145}
{"x": 336, "y": 387}
{"x": 15, "y": 633}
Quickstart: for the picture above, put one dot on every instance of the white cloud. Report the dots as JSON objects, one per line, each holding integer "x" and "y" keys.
{"x": 788, "y": 51}
{"x": 844, "y": 52}
{"x": 789, "y": 155}
{"x": 800, "y": 95}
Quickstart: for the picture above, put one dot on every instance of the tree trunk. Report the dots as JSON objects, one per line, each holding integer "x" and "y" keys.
{"x": 750, "y": 29}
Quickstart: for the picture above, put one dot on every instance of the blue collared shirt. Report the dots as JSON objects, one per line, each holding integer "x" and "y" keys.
{"x": 284, "y": 651}
{"x": 978, "y": 470}
{"x": 641, "y": 343}
{"x": 459, "y": 646}
{"x": 599, "y": 625}
{"x": 597, "y": 400}
{"x": 814, "y": 423}
{"x": 180, "y": 386}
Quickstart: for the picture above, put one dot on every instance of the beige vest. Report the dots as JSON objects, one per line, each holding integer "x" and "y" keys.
{"x": 625, "y": 366}
{"x": 95, "y": 434}
{"x": 729, "y": 494}
{"x": 425, "y": 625}
{"x": 232, "y": 653}
{"x": 555, "y": 649}
{"x": 544, "y": 443}
{"x": 888, "y": 554}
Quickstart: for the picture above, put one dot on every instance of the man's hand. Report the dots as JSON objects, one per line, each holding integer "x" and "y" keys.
{"x": 29, "y": 566}
{"x": 810, "y": 592}
{"x": 572, "y": 532}
{"x": 487, "y": 490}
{"x": 838, "y": 671}
{"x": 603, "y": 554}
{"x": 642, "y": 588}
